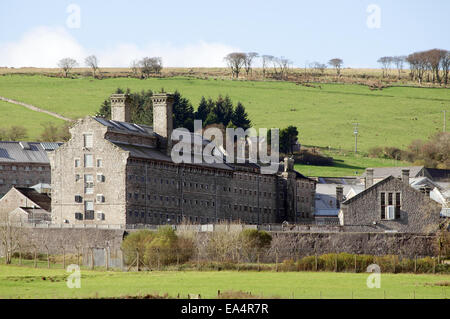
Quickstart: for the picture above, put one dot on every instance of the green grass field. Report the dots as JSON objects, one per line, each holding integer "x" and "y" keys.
{"x": 24, "y": 282}
{"x": 346, "y": 164}
{"x": 391, "y": 117}
{"x": 11, "y": 114}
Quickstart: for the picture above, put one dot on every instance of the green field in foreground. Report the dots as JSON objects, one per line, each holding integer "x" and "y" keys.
{"x": 23, "y": 282}
{"x": 391, "y": 117}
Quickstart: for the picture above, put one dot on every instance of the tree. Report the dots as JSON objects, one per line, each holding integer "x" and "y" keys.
{"x": 249, "y": 57}
{"x": 288, "y": 138}
{"x": 235, "y": 61}
{"x": 240, "y": 117}
{"x": 385, "y": 64}
{"x": 434, "y": 60}
{"x": 17, "y": 133}
{"x": 319, "y": 67}
{"x": 66, "y": 65}
{"x": 266, "y": 59}
{"x": 92, "y": 62}
{"x": 14, "y": 133}
{"x": 398, "y": 61}
{"x": 221, "y": 112}
{"x": 254, "y": 243}
{"x": 337, "y": 64}
{"x": 204, "y": 108}
{"x": 11, "y": 236}
{"x": 50, "y": 132}
{"x": 183, "y": 112}
{"x": 134, "y": 67}
{"x": 150, "y": 66}
{"x": 445, "y": 63}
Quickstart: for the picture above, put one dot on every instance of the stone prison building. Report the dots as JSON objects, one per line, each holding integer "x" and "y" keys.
{"x": 114, "y": 172}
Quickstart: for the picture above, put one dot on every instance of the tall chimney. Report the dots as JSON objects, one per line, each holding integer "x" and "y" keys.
{"x": 339, "y": 195}
{"x": 163, "y": 118}
{"x": 369, "y": 177}
{"x": 120, "y": 108}
{"x": 405, "y": 176}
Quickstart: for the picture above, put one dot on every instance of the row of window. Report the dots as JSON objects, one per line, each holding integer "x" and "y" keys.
{"x": 16, "y": 182}
{"x": 23, "y": 168}
{"x": 88, "y": 161}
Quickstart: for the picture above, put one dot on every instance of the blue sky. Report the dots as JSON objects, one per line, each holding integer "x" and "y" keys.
{"x": 200, "y": 33}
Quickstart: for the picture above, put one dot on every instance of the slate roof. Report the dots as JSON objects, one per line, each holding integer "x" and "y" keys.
{"x": 382, "y": 172}
{"x": 130, "y": 128}
{"x": 41, "y": 199}
{"x": 26, "y": 152}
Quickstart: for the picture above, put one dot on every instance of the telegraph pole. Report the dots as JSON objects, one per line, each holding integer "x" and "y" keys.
{"x": 355, "y": 131}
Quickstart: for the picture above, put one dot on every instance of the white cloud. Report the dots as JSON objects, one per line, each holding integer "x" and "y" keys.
{"x": 45, "y": 46}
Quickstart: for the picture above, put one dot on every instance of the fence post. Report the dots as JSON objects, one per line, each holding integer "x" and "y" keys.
{"x": 64, "y": 257}
{"x": 91, "y": 250}
{"x": 316, "y": 265}
{"x": 107, "y": 258}
{"x": 415, "y": 264}
{"x": 137, "y": 260}
{"x": 276, "y": 260}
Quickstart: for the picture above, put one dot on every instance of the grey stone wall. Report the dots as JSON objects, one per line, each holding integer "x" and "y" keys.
{"x": 297, "y": 245}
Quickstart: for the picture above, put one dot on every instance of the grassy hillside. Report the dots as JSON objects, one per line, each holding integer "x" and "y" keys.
{"x": 21, "y": 282}
{"x": 393, "y": 117}
{"x": 11, "y": 114}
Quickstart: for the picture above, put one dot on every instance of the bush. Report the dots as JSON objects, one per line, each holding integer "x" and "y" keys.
{"x": 254, "y": 243}
{"x": 312, "y": 158}
{"x": 134, "y": 242}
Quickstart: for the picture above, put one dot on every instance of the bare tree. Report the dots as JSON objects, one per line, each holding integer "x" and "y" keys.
{"x": 92, "y": 62}
{"x": 434, "y": 58}
{"x": 150, "y": 66}
{"x": 134, "y": 66}
{"x": 249, "y": 57}
{"x": 337, "y": 64}
{"x": 398, "y": 61}
{"x": 445, "y": 64}
{"x": 319, "y": 67}
{"x": 385, "y": 64}
{"x": 11, "y": 237}
{"x": 67, "y": 64}
{"x": 266, "y": 59}
{"x": 235, "y": 61}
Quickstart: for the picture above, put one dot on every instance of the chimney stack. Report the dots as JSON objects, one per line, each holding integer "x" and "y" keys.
{"x": 369, "y": 177}
{"x": 120, "y": 108}
{"x": 405, "y": 176}
{"x": 339, "y": 195}
{"x": 163, "y": 118}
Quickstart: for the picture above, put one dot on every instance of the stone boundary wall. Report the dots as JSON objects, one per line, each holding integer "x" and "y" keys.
{"x": 289, "y": 245}
{"x": 292, "y": 245}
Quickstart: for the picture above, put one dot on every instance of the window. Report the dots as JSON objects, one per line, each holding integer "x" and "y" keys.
{"x": 77, "y": 162}
{"x": 100, "y": 216}
{"x": 88, "y": 184}
{"x": 89, "y": 210}
{"x": 77, "y": 177}
{"x": 99, "y": 162}
{"x": 383, "y": 205}
{"x": 14, "y": 168}
{"x": 100, "y": 198}
{"x": 1, "y": 182}
{"x": 88, "y": 160}
{"x": 78, "y": 216}
{"x": 100, "y": 178}
{"x": 397, "y": 205}
{"x": 88, "y": 140}
{"x": 78, "y": 199}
